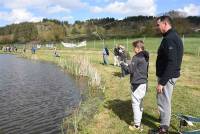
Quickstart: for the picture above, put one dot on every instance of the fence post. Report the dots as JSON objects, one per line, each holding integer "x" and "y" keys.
{"x": 103, "y": 43}
{"x": 144, "y": 39}
{"x": 114, "y": 43}
{"x": 127, "y": 44}
{"x": 183, "y": 39}
{"x": 94, "y": 44}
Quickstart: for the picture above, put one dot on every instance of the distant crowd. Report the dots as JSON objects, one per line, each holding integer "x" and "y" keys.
{"x": 120, "y": 55}
{"x": 9, "y": 49}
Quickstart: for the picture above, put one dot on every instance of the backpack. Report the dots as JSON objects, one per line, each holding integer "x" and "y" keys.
{"x": 107, "y": 51}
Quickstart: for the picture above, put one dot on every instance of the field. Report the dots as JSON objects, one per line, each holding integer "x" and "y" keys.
{"x": 115, "y": 113}
{"x": 191, "y": 44}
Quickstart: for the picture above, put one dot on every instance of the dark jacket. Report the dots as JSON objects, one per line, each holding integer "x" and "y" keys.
{"x": 116, "y": 51}
{"x": 124, "y": 56}
{"x": 169, "y": 58}
{"x": 107, "y": 51}
{"x": 138, "y": 68}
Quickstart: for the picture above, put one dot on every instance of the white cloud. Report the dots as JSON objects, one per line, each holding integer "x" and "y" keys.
{"x": 66, "y": 18}
{"x": 118, "y": 7}
{"x": 129, "y": 7}
{"x": 16, "y": 11}
{"x": 16, "y": 4}
{"x": 96, "y": 9}
{"x": 191, "y": 10}
{"x": 57, "y": 9}
{"x": 19, "y": 15}
{"x": 71, "y": 4}
{"x": 43, "y": 6}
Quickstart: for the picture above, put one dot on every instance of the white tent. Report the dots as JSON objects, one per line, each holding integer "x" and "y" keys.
{"x": 82, "y": 44}
{"x": 71, "y": 45}
{"x": 38, "y": 46}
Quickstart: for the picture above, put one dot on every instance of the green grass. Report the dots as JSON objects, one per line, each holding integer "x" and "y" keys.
{"x": 191, "y": 44}
{"x": 116, "y": 113}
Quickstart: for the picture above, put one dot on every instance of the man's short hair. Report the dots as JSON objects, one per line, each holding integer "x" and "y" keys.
{"x": 165, "y": 18}
{"x": 138, "y": 44}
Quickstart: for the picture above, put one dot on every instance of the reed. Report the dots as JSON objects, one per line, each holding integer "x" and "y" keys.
{"x": 81, "y": 66}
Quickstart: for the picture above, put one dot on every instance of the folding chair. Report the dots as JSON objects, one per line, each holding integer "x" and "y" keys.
{"x": 186, "y": 120}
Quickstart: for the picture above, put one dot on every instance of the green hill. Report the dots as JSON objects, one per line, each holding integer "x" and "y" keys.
{"x": 50, "y": 30}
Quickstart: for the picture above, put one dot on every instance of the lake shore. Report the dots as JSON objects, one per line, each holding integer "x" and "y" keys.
{"x": 113, "y": 113}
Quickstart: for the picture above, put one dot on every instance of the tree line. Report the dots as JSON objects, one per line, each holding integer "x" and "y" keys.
{"x": 52, "y": 30}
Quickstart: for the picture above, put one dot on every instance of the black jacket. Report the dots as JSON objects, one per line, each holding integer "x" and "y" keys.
{"x": 124, "y": 56}
{"x": 169, "y": 58}
{"x": 138, "y": 68}
{"x": 116, "y": 51}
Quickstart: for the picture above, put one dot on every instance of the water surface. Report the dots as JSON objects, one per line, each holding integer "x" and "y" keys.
{"x": 34, "y": 96}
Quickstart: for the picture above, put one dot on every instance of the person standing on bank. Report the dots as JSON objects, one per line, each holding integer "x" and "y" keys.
{"x": 116, "y": 55}
{"x": 123, "y": 56}
{"x": 168, "y": 66}
{"x": 105, "y": 55}
{"x": 138, "y": 70}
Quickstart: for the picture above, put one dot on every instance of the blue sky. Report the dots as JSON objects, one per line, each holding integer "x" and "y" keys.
{"x": 17, "y": 11}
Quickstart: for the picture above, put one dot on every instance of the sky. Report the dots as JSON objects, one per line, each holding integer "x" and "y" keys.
{"x": 17, "y": 11}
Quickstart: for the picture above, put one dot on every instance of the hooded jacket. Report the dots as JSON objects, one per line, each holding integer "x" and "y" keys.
{"x": 138, "y": 68}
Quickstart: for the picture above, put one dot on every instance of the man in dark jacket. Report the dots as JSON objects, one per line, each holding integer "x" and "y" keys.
{"x": 116, "y": 55}
{"x": 123, "y": 56}
{"x": 168, "y": 65}
{"x": 138, "y": 70}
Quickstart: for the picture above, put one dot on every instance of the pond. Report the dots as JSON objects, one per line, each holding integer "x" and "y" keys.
{"x": 35, "y": 96}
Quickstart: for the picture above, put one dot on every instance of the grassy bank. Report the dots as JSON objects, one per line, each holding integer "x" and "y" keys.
{"x": 115, "y": 113}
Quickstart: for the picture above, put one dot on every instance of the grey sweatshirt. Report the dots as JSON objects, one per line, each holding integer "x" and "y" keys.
{"x": 138, "y": 68}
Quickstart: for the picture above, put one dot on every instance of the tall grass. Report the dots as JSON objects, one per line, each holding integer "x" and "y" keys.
{"x": 81, "y": 66}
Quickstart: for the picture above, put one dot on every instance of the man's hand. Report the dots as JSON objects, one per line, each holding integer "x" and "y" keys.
{"x": 159, "y": 88}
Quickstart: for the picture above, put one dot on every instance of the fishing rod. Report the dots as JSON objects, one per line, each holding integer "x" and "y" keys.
{"x": 96, "y": 32}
